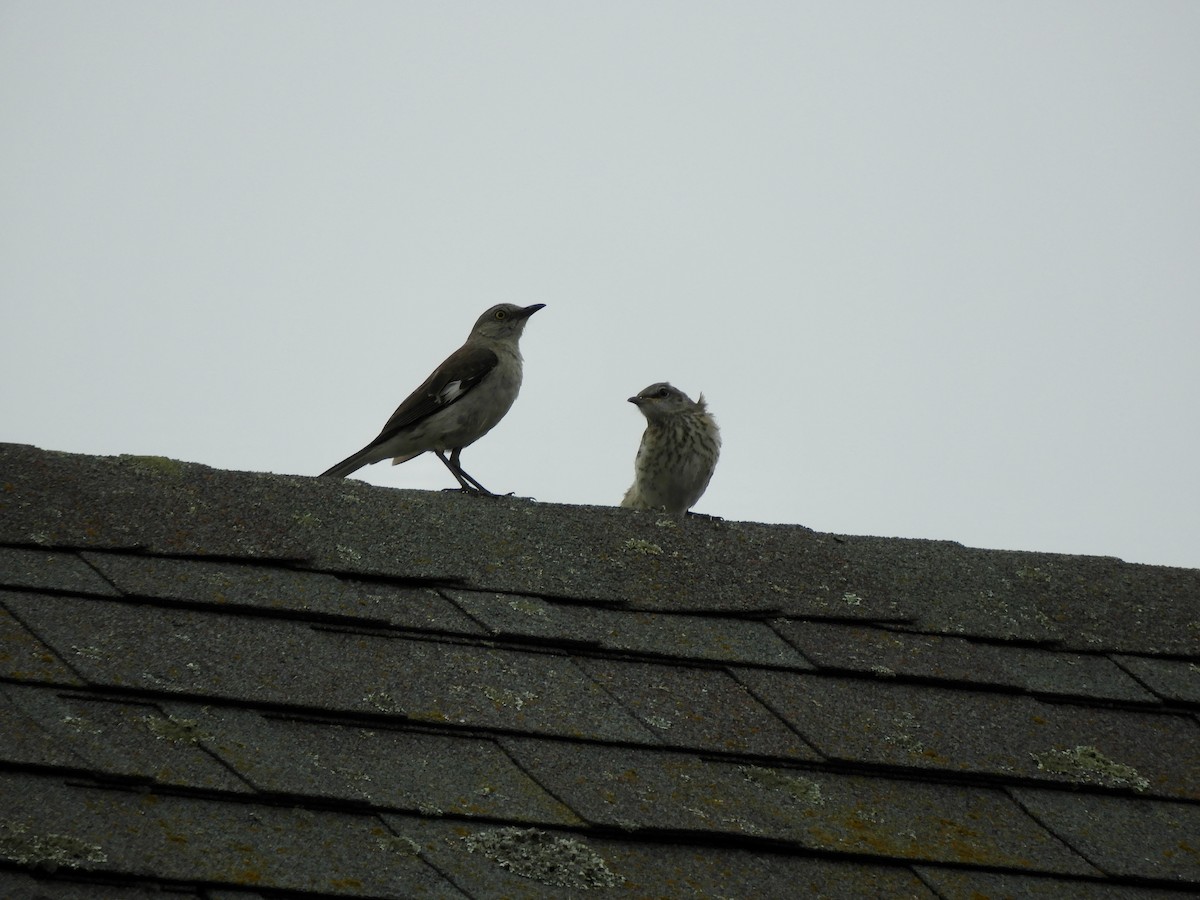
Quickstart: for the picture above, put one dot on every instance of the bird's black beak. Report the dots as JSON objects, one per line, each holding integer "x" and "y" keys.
{"x": 529, "y": 310}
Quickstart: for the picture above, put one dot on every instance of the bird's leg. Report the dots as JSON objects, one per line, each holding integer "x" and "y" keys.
{"x": 469, "y": 484}
{"x": 454, "y": 470}
{"x": 479, "y": 487}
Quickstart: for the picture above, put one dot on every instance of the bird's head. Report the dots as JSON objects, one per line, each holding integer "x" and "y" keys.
{"x": 661, "y": 400}
{"x": 504, "y": 320}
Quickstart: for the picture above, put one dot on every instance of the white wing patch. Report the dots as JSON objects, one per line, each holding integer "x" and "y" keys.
{"x": 450, "y": 392}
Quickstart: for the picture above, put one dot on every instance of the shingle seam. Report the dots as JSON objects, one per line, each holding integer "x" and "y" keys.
{"x": 991, "y": 640}
{"x": 1167, "y": 701}
{"x": 82, "y": 557}
{"x": 49, "y": 648}
{"x": 1054, "y": 646}
{"x": 923, "y": 871}
{"x": 565, "y": 599}
{"x": 1111, "y": 877}
{"x": 272, "y": 799}
{"x": 202, "y": 744}
{"x": 929, "y": 885}
{"x": 142, "y": 885}
{"x": 446, "y": 876}
{"x": 1058, "y": 698}
{"x": 232, "y": 609}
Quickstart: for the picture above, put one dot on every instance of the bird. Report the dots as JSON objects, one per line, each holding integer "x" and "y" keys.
{"x": 464, "y": 399}
{"x": 678, "y": 453}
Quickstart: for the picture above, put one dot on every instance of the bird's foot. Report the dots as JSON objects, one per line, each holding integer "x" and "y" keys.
{"x": 476, "y": 492}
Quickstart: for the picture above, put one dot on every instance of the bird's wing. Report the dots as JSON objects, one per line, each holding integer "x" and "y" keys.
{"x": 450, "y": 382}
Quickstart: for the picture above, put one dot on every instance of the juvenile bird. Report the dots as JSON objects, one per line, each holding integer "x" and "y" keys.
{"x": 678, "y": 452}
{"x": 459, "y": 403}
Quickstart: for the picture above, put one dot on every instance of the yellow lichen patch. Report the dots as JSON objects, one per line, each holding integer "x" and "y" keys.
{"x": 646, "y": 548}
{"x": 1088, "y": 764}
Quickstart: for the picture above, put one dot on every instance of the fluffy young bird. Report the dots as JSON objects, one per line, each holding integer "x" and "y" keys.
{"x": 459, "y": 403}
{"x": 678, "y": 452}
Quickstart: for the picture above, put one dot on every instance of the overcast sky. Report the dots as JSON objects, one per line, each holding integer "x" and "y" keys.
{"x": 935, "y": 265}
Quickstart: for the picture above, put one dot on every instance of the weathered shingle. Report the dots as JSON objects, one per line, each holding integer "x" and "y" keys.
{"x": 123, "y": 739}
{"x": 26, "y": 658}
{"x": 390, "y": 768}
{"x": 699, "y": 708}
{"x": 51, "y": 822}
{"x": 1174, "y": 680}
{"x": 310, "y": 595}
{"x": 938, "y": 728}
{"x": 888, "y": 653}
{"x": 21, "y": 568}
{"x": 510, "y": 862}
{"x": 233, "y": 686}
{"x": 1146, "y": 839}
{"x": 638, "y": 790}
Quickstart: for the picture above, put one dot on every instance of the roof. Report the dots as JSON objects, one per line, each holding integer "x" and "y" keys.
{"x": 229, "y": 684}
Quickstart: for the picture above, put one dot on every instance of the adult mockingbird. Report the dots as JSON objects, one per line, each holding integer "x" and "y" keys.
{"x": 678, "y": 452}
{"x": 459, "y": 403}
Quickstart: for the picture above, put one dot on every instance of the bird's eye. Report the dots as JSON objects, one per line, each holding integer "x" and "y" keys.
{"x": 663, "y": 392}
{"x": 501, "y": 314}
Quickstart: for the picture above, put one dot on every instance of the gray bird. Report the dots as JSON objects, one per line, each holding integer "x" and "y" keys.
{"x": 678, "y": 452}
{"x": 459, "y": 403}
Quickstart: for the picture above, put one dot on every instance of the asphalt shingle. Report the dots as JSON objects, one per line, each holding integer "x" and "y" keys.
{"x": 136, "y": 741}
{"x": 17, "y": 886}
{"x": 22, "y": 741}
{"x": 887, "y": 653}
{"x": 637, "y": 790}
{"x": 387, "y": 768}
{"x": 25, "y": 658}
{"x": 964, "y": 884}
{"x": 1171, "y": 679}
{"x": 486, "y": 861}
{"x": 24, "y": 568}
{"x": 176, "y": 651}
{"x": 655, "y": 634}
{"x": 1148, "y": 839}
{"x": 52, "y": 823}
{"x": 272, "y": 588}
{"x": 701, "y": 709}
{"x": 955, "y": 730}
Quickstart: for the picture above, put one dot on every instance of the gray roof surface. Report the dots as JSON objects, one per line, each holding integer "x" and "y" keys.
{"x": 239, "y": 685}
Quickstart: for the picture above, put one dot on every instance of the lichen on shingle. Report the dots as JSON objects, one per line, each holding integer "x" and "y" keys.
{"x": 27, "y": 848}
{"x": 799, "y": 788}
{"x": 174, "y": 729}
{"x": 534, "y": 854}
{"x": 637, "y": 545}
{"x": 1090, "y": 765}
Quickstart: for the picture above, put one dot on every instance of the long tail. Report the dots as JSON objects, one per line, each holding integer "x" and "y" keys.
{"x": 351, "y": 463}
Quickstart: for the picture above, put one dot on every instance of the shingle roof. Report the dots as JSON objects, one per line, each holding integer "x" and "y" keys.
{"x": 230, "y": 685}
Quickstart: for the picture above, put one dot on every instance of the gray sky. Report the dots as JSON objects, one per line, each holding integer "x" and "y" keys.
{"x": 935, "y": 265}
